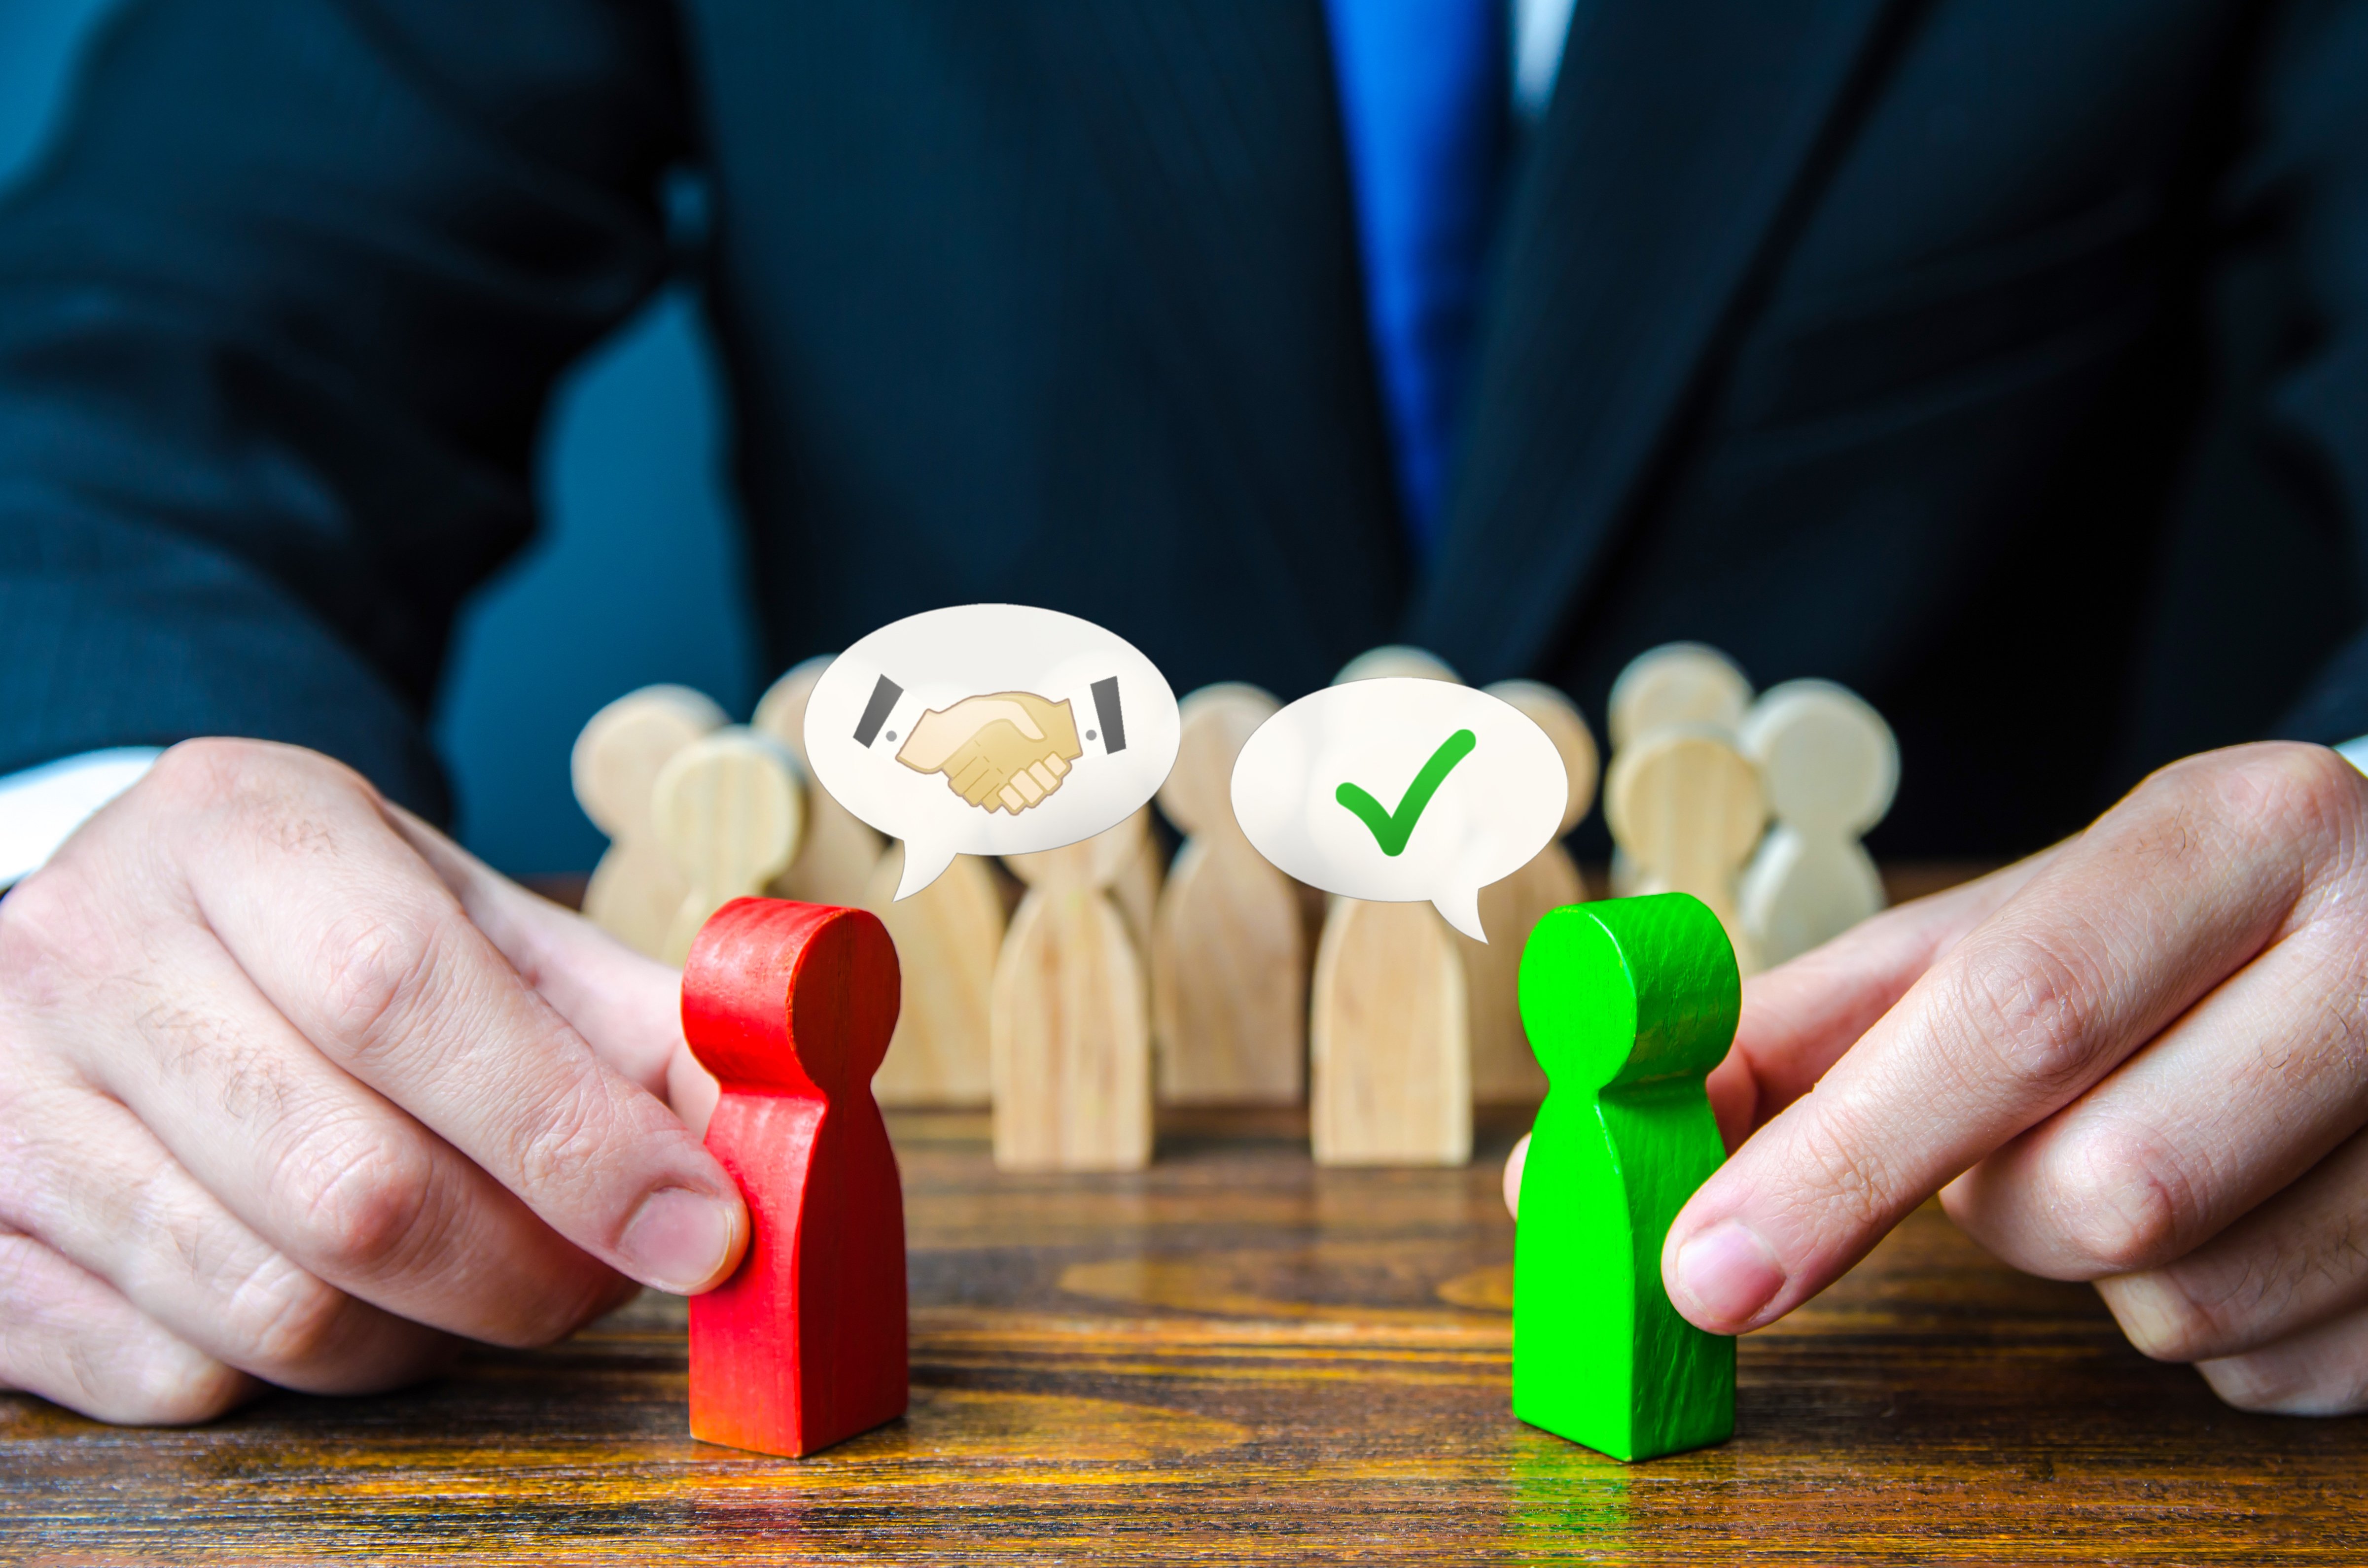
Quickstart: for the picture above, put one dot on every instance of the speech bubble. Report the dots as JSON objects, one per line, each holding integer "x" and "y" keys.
{"x": 1401, "y": 790}
{"x": 990, "y": 730}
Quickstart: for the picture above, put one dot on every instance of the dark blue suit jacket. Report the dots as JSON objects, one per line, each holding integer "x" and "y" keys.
{"x": 2007, "y": 359}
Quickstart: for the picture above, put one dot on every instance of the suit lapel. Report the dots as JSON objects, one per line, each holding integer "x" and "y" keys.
{"x": 1681, "y": 134}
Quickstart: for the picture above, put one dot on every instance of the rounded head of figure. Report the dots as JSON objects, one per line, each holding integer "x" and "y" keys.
{"x": 1398, "y": 659}
{"x": 1830, "y": 763}
{"x": 1550, "y": 711}
{"x": 780, "y": 997}
{"x": 1213, "y": 724}
{"x": 1684, "y": 794}
{"x": 617, "y": 758}
{"x": 1677, "y": 683}
{"x": 1628, "y": 992}
{"x": 731, "y": 808}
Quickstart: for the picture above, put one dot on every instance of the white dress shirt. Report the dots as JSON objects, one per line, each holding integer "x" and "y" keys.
{"x": 40, "y": 807}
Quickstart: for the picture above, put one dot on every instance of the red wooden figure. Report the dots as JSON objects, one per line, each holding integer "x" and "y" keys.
{"x": 790, "y": 1006}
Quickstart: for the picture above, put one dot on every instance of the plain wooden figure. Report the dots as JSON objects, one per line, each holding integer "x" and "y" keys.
{"x": 1069, "y": 1021}
{"x": 1686, "y": 807}
{"x": 1389, "y": 1040}
{"x": 1630, "y": 1003}
{"x": 636, "y": 890}
{"x": 729, "y": 810}
{"x": 790, "y": 1007}
{"x": 1504, "y": 1071}
{"x": 1830, "y": 767}
{"x": 1136, "y": 891}
{"x": 1389, "y": 1031}
{"x": 1677, "y": 683}
{"x": 838, "y": 849}
{"x": 1228, "y": 949}
{"x": 950, "y": 936}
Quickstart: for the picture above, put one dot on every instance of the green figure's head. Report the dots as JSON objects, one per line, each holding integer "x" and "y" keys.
{"x": 1629, "y": 991}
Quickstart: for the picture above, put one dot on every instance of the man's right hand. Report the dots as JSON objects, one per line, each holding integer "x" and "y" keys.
{"x": 293, "y": 1091}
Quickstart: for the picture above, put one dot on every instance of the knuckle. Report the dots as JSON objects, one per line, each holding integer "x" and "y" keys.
{"x": 258, "y": 789}
{"x": 2285, "y": 790}
{"x": 287, "y": 1322}
{"x": 374, "y": 965}
{"x": 2304, "y": 785}
{"x": 204, "y": 770}
{"x": 2023, "y": 1004}
{"x": 2333, "y": 782}
{"x": 217, "y": 774}
{"x": 58, "y": 1339}
{"x": 2123, "y": 1204}
{"x": 167, "y": 1386}
{"x": 2280, "y": 1383}
{"x": 365, "y": 1203}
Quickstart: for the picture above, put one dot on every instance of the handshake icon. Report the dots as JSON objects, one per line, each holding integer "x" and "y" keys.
{"x": 1003, "y": 752}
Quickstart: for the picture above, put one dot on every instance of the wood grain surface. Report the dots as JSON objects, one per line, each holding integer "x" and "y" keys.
{"x": 1236, "y": 1356}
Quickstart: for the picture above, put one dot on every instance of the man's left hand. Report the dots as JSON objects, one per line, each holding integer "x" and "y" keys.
{"x": 2139, "y": 1059}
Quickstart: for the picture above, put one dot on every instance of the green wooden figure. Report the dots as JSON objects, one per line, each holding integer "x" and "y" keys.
{"x": 1628, "y": 1003}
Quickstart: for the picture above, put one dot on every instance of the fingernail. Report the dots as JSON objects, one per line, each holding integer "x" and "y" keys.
{"x": 1726, "y": 1274}
{"x": 679, "y": 1240}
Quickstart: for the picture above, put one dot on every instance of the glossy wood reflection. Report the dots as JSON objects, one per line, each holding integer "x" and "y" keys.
{"x": 1235, "y": 1356}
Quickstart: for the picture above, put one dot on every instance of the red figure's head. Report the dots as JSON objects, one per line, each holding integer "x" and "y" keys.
{"x": 789, "y": 998}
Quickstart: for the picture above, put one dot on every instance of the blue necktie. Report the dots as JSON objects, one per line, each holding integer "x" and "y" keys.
{"x": 1423, "y": 111}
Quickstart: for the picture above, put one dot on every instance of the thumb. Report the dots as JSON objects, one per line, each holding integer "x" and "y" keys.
{"x": 1011, "y": 706}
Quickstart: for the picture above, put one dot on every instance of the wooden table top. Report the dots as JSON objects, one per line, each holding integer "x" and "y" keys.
{"x": 1238, "y": 1357}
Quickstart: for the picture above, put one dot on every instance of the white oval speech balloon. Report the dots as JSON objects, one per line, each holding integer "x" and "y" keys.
{"x": 990, "y": 730}
{"x": 1401, "y": 790}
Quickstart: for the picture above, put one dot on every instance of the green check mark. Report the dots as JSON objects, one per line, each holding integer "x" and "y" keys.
{"x": 1391, "y": 829}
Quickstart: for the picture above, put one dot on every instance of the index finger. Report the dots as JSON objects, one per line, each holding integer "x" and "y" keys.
{"x": 1800, "y": 1016}
{"x": 354, "y": 941}
{"x": 2167, "y": 894}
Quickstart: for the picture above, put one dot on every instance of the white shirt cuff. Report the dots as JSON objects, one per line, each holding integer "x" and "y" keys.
{"x": 40, "y": 807}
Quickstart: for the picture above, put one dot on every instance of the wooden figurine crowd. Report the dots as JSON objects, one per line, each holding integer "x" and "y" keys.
{"x": 1698, "y": 768}
{"x": 1072, "y": 990}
